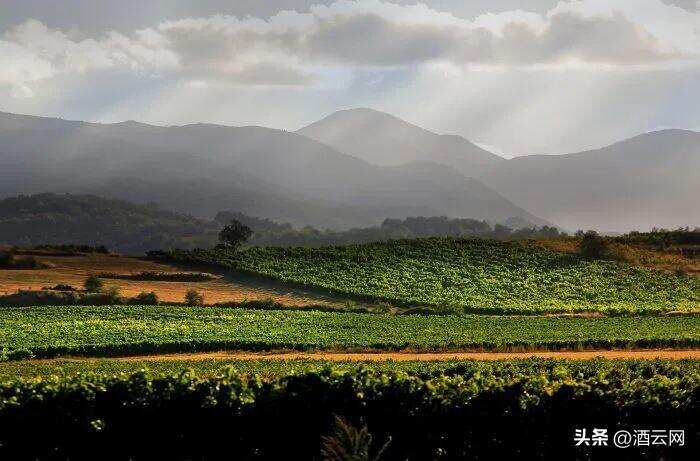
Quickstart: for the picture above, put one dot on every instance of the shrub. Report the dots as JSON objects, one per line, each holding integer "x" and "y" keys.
{"x": 593, "y": 246}
{"x": 194, "y": 298}
{"x": 93, "y": 284}
{"x": 145, "y": 298}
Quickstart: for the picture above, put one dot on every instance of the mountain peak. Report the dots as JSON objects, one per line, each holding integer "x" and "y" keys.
{"x": 131, "y": 123}
{"x": 361, "y": 116}
{"x": 386, "y": 140}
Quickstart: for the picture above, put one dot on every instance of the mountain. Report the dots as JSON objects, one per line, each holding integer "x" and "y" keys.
{"x": 90, "y": 220}
{"x": 650, "y": 180}
{"x": 201, "y": 169}
{"x": 383, "y": 139}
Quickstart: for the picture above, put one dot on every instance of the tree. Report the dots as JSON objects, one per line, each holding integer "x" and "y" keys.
{"x": 593, "y": 246}
{"x": 234, "y": 234}
{"x": 93, "y": 284}
{"x": 194, "y": 298}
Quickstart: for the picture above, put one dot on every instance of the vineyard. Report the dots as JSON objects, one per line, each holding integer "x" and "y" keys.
{"x": 504, "y": 410}
{"x": 114, "y": 330}
{"x": 278, "y": 368}
{"x": 473, "y": 275}
{"x": 67, "y": 390}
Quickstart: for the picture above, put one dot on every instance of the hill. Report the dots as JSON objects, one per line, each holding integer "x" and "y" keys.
{"x": 383, "y": 139}
{"x": 201, "y": 169}
{"x": 86, "y": 219}
{"x": 647, "y": 181}
{"x": 468, "y": 274}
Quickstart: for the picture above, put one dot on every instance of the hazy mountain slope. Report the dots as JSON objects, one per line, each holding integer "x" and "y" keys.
{"x": 649, "y": 180}
{"x": 87, "y": 219}
{"x": 201, "y": 169}
{"x": 383, "y": 139}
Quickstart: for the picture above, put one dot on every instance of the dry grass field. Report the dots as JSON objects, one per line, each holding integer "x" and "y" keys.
{"x": 637, "y": 255}
{"x": 73, "y": 270}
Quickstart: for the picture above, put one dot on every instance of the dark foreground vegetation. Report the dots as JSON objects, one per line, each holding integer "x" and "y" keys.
{"x": 504, "y": 410}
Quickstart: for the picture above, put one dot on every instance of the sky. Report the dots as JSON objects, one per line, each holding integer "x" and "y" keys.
{"x": 516, "y": 77}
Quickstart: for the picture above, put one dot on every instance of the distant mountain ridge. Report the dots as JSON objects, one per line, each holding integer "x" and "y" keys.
{"x": 201, "y": 169}
{"x": 650, "y": 180}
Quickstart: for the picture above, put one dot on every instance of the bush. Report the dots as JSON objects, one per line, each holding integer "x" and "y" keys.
{"x": 93, "y": 284}
{"x": 483, "y": 411}
{"x": 593, "y": 246}
{"x": 66, "y": 297}
{"x": 194, "y": 298}
{"x": 8, "y": 260}
{"x": 39, "y": 298}
{"x": 145, "y": 298}
{"x": 61, "y": 287}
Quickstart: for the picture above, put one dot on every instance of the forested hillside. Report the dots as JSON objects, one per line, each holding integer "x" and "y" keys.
{"x": 88, "y": 219}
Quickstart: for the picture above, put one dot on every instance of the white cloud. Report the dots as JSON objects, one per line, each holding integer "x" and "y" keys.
{"x": 290, "y": 47}
{"x": 31, "y": 53}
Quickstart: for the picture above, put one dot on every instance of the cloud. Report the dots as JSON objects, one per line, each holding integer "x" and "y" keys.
{"x": 292, "y": 48}
{"x": 18, "y": 70}
{"x": 142, "y": 52}
{"x": 371, "y": 33}
{"x": 689, "y": 5}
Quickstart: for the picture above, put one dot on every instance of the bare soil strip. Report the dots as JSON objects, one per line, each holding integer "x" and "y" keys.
{"x": 403, "y": 356}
